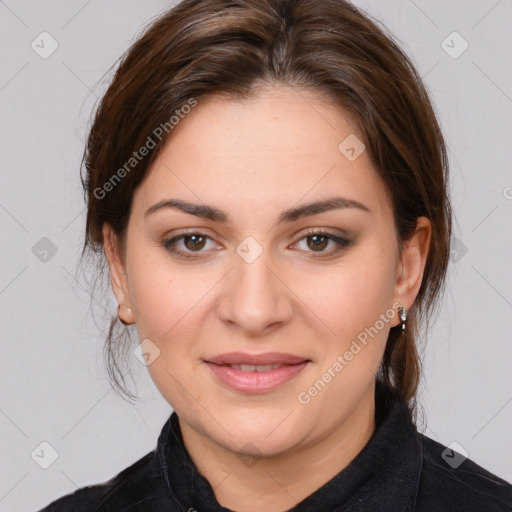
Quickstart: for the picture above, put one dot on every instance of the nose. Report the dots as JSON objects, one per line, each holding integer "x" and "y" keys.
{"x": 253, "y": 296}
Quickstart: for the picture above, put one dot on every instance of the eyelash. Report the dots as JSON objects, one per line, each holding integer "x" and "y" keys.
{"x": 342, "y": 243}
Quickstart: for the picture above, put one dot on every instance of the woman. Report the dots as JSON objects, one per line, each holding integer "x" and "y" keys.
{"x": 267, "y": 183}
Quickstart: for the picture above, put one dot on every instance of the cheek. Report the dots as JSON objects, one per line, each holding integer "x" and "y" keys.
{"x": 167, "y": 304}
{"x": 353, "y": 296}
{"x": 355, "y": 304}
{"x": 162, "y": 296}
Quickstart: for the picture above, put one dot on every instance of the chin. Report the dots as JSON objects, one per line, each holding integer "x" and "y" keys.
{"x": 259, "y": 434}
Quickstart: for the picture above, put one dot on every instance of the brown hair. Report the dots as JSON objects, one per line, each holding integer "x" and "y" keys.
{"x": 202, "y": 47}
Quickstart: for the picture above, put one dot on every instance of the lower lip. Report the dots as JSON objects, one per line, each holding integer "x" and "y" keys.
{"x": 256, "y": 382}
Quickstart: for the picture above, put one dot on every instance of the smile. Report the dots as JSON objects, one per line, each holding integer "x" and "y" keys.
{"x": 254, "y": 368}
{"x": 255, "y": 373}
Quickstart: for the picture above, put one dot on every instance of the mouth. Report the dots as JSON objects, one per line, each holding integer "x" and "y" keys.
{"x": 264, "y": 359}
{"x": 255, "y": 373}
{"x": 253, "y": 367}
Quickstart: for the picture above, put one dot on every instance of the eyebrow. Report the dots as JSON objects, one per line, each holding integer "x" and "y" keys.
{"x": 290, "y": 215}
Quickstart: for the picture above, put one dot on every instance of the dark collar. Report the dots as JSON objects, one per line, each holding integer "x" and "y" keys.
{"x": 384, "y": 476}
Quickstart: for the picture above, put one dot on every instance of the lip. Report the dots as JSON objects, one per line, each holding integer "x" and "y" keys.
{"x": 253, "y": 381}
{"x": 257, "y": 359}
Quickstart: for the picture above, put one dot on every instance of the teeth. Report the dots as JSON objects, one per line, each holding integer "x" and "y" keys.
{"x": 254, "y": 368}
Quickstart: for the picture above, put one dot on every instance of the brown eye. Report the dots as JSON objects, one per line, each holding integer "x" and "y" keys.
{"x": 319, "y": 242}
{"x": 185, "y": 245}
{"x": 196, "y": 242}
{"x": 191, "y": 243}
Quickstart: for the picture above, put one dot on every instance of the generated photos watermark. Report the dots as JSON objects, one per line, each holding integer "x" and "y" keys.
{"x": 144, "y": 150}
{"x": 342, "y": 360}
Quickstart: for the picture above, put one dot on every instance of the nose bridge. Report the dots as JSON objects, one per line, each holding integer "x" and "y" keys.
{"x": 253, "y": 296}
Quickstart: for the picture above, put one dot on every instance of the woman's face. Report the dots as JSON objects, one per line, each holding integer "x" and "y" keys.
{"x": 254, "y": 278}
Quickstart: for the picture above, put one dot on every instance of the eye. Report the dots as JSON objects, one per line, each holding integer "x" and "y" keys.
{"x": 193, "y": 242}
{"x": 318, "y": 240}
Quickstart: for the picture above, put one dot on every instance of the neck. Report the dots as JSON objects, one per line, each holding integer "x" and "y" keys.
{"x": 279, "y": 483}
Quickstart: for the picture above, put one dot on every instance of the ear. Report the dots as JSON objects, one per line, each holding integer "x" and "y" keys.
{"x": 411, "y": 266}
{"x": 118, "y": 276}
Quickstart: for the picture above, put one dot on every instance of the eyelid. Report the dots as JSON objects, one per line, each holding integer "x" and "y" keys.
{"x": 338, "y": 233}
{"x": 169, "y": 244}
{"x": 341, "y": 242}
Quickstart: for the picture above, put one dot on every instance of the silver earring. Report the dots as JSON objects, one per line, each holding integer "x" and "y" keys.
{"x": 403, "y": 317}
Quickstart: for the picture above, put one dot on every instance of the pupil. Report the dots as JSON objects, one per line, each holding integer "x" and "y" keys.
{"x": 194, "y": 239}
{"x": 316, "y": 238}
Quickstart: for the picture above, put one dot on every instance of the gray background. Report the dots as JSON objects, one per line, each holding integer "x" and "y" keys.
{"x": 53, "y": 384}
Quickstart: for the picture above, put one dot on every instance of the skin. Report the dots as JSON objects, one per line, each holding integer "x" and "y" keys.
{"x": 253, "y": 159}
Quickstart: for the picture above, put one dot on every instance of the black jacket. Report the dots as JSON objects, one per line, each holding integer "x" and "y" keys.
{"x": 399, "y": 470}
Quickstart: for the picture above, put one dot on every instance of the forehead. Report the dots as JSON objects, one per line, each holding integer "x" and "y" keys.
{"x": 278, "y": 147}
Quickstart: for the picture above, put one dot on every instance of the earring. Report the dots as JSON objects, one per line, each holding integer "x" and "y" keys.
{"x": 120, "y": 319}
{"x": 403, "y": 316}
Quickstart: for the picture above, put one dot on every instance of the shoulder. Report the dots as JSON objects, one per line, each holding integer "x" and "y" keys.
{"x": 450, "y": 482}
{"x": 136, "y": 488}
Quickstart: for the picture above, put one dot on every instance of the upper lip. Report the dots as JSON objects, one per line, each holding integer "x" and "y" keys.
{"x": 255, "y": 359}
